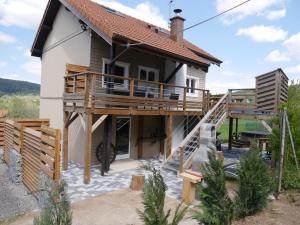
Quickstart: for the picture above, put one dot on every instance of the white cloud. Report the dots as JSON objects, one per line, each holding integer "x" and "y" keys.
{"x": 291, "y": 51}
{"x": 21, "y": 13}
{"x": 263, "y": 33}
{"x": 3, "y": 64}
{"x": 144, "y": 11}
{"x": 293, "y": 70}
{"x": 6, "y": 38}
{"x": 277, "y": 56}
{"x": 292, "y": 46}
{"x": 32, "y": 65}
{"x": 254, "y": 7}
{"x": 276, "y": 14}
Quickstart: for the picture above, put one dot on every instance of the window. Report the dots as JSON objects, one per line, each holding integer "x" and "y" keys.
{"x": 121, "y": 69}
{"x": 191, "y": 84}
{"x": 148, "y": 74}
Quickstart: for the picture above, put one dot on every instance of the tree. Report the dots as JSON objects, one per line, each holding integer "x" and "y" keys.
{"x": 291, "y": 179}
{"x": 254, "y": 184}
{"x": 216, "y": 206}
{"x": 57, "y": 209}
{"x": 153, "y": 196}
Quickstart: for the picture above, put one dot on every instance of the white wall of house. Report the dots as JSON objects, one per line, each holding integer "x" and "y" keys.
{"x": 54, "y": 60}
{"x": 180, "y": 80}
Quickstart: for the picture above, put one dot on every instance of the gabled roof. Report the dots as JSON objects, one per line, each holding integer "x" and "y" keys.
{"x": 110, "y": 24}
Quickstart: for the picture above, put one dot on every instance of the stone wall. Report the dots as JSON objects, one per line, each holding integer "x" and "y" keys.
{"x": 15, "y": 166}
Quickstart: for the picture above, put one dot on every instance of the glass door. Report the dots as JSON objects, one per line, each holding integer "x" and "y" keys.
{"x": 123, "y": 125}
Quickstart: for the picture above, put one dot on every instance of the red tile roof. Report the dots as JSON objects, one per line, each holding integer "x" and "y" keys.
{"x": 119, "y": 24}
{"x": 112, "y": 24}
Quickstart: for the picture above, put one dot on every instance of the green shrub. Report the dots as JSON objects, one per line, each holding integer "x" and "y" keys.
{"x": 216, "y": 206}
{"x": 57, "y": 209}
{"x": 254, "y": 184}
{"x": 153, "y": 196}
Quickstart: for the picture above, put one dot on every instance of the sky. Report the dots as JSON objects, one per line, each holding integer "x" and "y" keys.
{"x": 260, "y": 36}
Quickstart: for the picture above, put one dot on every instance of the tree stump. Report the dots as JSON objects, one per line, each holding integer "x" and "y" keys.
{"x": 137, "y": 182}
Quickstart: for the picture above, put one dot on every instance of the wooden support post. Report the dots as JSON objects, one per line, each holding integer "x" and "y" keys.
{"x": 140, "y": 136}
{"x": 66, "y": 142}
{"x": 236, "y": 129}
{"x": 88, "y": 147}
{"x": 230, "y": 133}
{"x": 169, "y": 135}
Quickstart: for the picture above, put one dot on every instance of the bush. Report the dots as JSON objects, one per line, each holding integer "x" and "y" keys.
{"x": 57, "y": 209}
{"x": 153, "y": 196}
{"x": 254, "y": 184}
{"x": 217, "y": 207}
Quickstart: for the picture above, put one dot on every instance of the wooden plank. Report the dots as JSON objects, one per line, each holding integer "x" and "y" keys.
{"x": 57, "y": 156}
{"x": 88, "y": 146}
{"x": 48, "y": 140}
{"x": 98, "y": 122}
{"x": 47, "y": 170}
{"x": 48, "y": 131}
{"x": 66, "y": 143}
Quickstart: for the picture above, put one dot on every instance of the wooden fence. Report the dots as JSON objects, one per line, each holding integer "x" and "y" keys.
{"x": 39, "y": 146}
{"x": 2, "y": 132}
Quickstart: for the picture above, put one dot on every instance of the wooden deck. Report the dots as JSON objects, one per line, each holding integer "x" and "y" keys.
{"x": 115, "y": 95}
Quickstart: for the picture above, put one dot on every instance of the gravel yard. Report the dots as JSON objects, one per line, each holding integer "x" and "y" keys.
{"x": 14, "y": 199}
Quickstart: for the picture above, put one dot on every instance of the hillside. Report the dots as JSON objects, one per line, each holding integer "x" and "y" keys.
{"x": 9, "y": 87}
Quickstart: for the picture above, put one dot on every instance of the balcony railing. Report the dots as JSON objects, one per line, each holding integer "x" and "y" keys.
{"x": 102, "y": 91}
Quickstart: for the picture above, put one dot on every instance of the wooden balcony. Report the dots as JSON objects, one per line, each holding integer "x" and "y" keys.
{"x": 111, "y": 94}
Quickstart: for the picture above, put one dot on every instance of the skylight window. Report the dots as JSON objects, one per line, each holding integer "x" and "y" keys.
{"x": 112, "y": 11}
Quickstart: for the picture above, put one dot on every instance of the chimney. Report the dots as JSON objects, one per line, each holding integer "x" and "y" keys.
{"x": 177, "y": 26}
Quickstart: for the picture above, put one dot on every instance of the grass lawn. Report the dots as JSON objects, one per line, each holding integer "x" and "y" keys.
{"x": 244, "y": 125}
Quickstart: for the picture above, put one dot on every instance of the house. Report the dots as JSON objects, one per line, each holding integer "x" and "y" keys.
{"x": 118, "y": 84}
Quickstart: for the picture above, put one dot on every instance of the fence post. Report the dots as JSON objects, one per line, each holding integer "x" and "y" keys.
{"x": 57, "y": 155}
{"x": 181, "y": 152}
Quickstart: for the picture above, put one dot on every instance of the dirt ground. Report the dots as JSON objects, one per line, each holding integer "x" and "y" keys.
{"x": 285, "y": 211}
{"x": 115, "y": 208}
{"x": 119, "y": 208}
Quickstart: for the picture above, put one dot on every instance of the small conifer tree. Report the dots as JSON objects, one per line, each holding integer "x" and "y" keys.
{"x": 57, "y": 209}
{"x": 216, "y": 208}
{"x": 254, "y": 184}
{"x": 153, "y": 196}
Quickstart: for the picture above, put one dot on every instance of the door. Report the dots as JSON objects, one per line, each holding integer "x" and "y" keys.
{"x": 123, "y": 128}
{"x": 151, "y": 75}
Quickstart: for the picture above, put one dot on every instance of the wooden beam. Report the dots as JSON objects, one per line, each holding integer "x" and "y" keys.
{"x": 66, "y": 142}
{"x": 140, "y": 136}
{"x": 88, "y": 147}
{"x": 236, "y": 128}
{"x": 71, "y": 120}
{"x": 98, "y": 122}
{"x": 169, "y": 135}
{"x": 230, "y": 133}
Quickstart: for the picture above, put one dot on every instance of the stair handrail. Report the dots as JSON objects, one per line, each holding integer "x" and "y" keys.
{"x": 190, "y": 135}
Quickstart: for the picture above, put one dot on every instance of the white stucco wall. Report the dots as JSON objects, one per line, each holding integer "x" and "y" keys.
{"x": 54, "y": 60}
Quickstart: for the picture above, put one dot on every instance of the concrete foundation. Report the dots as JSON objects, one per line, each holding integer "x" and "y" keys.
{"x": 15, "y": 167}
